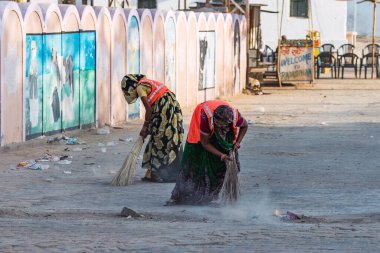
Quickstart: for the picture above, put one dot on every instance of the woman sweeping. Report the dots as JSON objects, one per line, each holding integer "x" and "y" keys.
{"x": 212, "y": 135}
{"x": 163, "y": 121}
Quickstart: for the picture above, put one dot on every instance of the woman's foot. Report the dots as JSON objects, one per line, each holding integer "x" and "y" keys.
{"x": 151, "y": 176}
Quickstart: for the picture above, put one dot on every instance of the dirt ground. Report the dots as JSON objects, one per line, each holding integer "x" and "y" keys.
{"x": 312, "y": 150}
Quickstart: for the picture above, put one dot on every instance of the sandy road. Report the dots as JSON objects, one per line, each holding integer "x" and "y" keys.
{"x": 311, "y": 150}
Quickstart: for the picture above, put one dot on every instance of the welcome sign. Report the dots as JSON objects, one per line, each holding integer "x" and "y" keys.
{"x": 296, "y": 60}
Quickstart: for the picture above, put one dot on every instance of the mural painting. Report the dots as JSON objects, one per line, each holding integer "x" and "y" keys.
{"x": 206, "y": 60}
{"x": 52, "y": 85}
{"x": 70, "y": 80}
{"x": 87, "y": 77}
{"x": 133, "y": 62}
{"x": 170, "y": 49}
{"x": 236, "y": 68}
{"x": 33, "y": 85}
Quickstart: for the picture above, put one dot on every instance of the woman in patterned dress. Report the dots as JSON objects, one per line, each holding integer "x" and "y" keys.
{"x": 163, "y": 122}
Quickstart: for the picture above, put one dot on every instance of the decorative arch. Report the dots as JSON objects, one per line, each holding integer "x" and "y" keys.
{"x": 243, "y": 57}
{"x": 71, "y": 19}
{"x": 88, "y": 18}
{"x": 33, "y": 18}
{"x": 170, "y": 50}
{"x": 11, "y": 77}
{"x": 33, "y": 70}
{"x": 219, "y": 56}
{"x": 202, "y": 40}
{"x": 133, "y": 55}
{"x": 53, "y": 18}
{"x": 236, "y": 55}
{"x": 228, "y": 55}
{"x": 181, "y": 58}
{"x": 146, "y": 28}
{"x": 118, "y": 67}
{"x": 103, "y": 74}
{"x": 192, "y": 59}
{"x": 158, "y": 46}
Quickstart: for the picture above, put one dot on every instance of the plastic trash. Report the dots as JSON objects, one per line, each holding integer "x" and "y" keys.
{"x": 126, "y": 139}
{"x": 289, "y": 216}
{"x": 111, "y": 143}
{"x": 77, "y": 149}
{"x": 104, "y": 150}
{"x": 103, "y": 130}
{"x": 66, "y": 172}
{"x": 32, "y": 165}
{"x": 72, "y": 141}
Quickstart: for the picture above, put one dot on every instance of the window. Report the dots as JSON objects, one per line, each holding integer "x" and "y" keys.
{"x": 147, "y": 4}
{"x": 299, "y": 8}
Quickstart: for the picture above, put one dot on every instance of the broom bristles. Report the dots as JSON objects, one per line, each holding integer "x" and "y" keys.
{"x": 230, "y": 191}
{"x": 128, "y": 169}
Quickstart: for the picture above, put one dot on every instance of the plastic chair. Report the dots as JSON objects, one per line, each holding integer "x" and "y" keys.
{"x": 343, "y": 49}
{"x": 366, "y": 62}
{"x": 328, "y": 48}
{"x": 349, "y": 60}
{"x": 326, "y": 60}
{"x": 368, "y": 49}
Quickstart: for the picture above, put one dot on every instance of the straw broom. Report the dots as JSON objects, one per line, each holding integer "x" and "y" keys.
{"x": 230, "y": 192}
{"x": 128, "y": 169}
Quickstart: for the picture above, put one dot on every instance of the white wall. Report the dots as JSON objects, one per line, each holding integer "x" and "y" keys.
{"x": 362, "y": 22}
{"x": 329, "y": 17}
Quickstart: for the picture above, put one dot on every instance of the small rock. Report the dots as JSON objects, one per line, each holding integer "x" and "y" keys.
{"x": 127, "y": 212}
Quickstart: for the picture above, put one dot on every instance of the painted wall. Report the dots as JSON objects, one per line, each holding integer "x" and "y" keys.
{"x": 324, "y": 13}
{"x": 61, "y": 66}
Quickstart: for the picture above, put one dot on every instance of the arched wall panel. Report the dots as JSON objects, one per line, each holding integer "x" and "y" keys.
{"x": 103, "y": 66}
{"x": 192, "y": 60}
{"x": 219, "y": 57}
{"x": 118, "y": 68}
{"x": 11, "y": 75}
{"x": 181, "y": 59}
{"x": 147, "y": 44}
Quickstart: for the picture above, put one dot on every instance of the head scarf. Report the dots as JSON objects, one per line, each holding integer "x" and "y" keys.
{"x": 223, "y": 118}
{"x": 224, "y": 113}
{"x": 129, "y": 86}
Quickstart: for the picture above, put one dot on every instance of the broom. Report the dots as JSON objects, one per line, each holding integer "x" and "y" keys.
{"x": 230, "y": 191}
{"x": 128, "y": 169}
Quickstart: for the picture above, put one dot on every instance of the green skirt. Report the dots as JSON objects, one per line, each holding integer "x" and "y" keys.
{"x": 202, "y": 173}
{"x": 163, "y": 151}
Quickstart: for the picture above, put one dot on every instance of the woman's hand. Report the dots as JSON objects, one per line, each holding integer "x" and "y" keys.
{"x": 236, "y": 146}
{"x": 225, "y": 158}
{"x": 144, "y": 132}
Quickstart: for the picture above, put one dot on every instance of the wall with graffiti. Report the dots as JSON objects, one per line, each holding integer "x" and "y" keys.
{"x": 61, "y": 65}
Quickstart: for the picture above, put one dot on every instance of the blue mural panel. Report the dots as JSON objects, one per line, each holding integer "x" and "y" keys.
{"x": 133, "y": 62}
{"x": 87, "y": 77}
{"x": 70, "y": 80}
{"x": 33, "y": 85}
{"x": 52, "y": 85}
